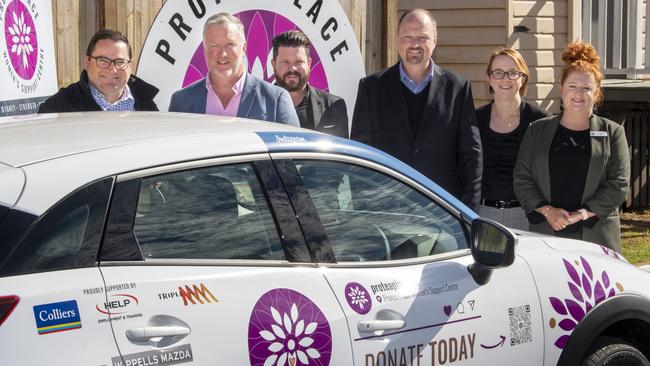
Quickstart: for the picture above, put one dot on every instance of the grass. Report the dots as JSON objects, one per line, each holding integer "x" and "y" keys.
{"x": 635, "y": 236}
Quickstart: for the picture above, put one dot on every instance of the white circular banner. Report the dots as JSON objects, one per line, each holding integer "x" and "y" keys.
{"x": 172, "y": 56}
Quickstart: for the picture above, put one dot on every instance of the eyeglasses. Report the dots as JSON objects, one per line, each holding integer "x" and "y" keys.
{"x": 500, "y": 74}
{"x": 105, "y": 62}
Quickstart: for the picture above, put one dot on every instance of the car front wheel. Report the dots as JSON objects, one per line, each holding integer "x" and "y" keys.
{"x": 616, "y": 352}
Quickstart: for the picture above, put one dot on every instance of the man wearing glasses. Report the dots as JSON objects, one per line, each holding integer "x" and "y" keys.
{"x": 106, "y": 83}
{"x": 422, "y": 114}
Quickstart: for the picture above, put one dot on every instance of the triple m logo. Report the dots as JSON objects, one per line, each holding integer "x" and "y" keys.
{"x": 194, "y": 294}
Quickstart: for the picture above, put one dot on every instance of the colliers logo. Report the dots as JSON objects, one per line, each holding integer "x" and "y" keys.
{"x": 57, "y": 317}
{"x": 172, "y": 56}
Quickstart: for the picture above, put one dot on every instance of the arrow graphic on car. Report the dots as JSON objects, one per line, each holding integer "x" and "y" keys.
{"x": 503, "y": 341}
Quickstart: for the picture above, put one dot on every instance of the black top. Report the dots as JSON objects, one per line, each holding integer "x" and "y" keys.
{"x": 305, "y": 113}
{"x": 568, "y": 162}
{"x": 500, "y": 150}
{"x": 414, "y": 106}
{"x": 77, "y": 97}
{"x": 499, "y": 164}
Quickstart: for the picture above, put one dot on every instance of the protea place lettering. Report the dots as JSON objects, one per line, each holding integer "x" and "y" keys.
{"x": 181, "y": 27}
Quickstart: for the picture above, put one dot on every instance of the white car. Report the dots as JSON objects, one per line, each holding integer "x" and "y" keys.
{"x": 162, "y": 239}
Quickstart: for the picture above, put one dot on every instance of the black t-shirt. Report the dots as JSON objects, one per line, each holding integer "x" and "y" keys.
{"x": 499, "y": 163}
{"x": 568, "y": 164}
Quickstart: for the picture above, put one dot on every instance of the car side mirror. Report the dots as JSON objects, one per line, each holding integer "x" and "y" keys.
{"x": 493, "y": 246}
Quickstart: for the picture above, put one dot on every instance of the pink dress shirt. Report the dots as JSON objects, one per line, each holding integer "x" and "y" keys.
{"x": 213, "y": 104}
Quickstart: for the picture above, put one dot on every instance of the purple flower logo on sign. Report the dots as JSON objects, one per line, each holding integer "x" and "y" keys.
{"x": 20, "y": 36}
{"x": 358, "y": 298}
{"x": 260, "y": 26}
{"x": 587, "y": 291}
{"x": 286, "y": 328}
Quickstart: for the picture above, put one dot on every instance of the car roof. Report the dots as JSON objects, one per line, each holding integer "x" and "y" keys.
{"x": 51, "y": 155}
{"x": 31, "y": 139}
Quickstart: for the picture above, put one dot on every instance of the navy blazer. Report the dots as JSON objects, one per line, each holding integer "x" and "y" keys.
{"x": 259, "y": 100}
{"x": 447, "y": 146}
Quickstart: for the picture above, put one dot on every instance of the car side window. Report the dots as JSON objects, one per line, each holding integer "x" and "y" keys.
{"x": 209, "y": 213}
{"x": 370, "y": 216}
{"x": 65, "y": 237}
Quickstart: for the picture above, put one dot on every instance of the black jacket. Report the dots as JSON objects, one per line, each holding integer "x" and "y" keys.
{"x": 77, "y": 97}
{"x": 330, "y": 113}
{"x": 447, "y": 147}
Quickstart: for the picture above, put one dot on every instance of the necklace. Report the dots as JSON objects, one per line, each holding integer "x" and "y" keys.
{"x": 508, "y": 120}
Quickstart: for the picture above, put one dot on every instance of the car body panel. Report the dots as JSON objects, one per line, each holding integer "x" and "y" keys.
{"x": 448, "y": 317}
{"x": 12, "y": 181}
{"x": 574, "y": 280}
{"x": 29, "y": 338}
{"x": 228, "y": 309}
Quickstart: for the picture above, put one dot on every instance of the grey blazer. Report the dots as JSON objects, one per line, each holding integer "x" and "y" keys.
{"x": 606, "y": 186}
{"x": 259, "y": 100}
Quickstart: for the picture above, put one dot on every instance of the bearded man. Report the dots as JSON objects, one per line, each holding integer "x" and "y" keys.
{"x": 317, "y": 109}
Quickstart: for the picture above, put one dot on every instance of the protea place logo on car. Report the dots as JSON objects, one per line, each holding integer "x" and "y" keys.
{"x": 172, "y": 56}
{"x": 287, "y": 328}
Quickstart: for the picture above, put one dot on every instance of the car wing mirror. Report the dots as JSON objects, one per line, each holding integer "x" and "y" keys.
{"x": 493, "y": 246}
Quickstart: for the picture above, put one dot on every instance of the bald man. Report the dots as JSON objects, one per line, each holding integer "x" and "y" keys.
{"x": 422, "y": 114}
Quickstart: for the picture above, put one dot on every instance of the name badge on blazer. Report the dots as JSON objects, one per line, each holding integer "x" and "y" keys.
{"x": 598, "y": 133}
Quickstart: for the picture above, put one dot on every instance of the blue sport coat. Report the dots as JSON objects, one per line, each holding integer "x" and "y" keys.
{"x": 259, "y": 100}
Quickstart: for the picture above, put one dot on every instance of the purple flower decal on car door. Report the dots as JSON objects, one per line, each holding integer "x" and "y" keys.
{"x": 287, "y": 328}
{"x": 587, "y": 291}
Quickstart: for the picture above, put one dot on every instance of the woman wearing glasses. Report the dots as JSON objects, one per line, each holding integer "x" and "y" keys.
{"x": 573, "y": 169}
{"x": 502, "y": 124}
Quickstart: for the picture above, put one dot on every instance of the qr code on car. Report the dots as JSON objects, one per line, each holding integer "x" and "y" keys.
{"x": 520, "y": 325}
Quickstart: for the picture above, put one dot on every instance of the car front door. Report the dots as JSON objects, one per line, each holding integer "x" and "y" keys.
{"x": 204, "y": 262}
{"x": 400, "y": 272}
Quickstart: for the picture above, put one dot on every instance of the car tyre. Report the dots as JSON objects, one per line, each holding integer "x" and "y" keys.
{"x": 615, "y": 352}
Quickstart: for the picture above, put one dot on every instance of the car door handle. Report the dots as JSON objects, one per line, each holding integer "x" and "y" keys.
{"x": 146, "y": 333}
{"x": 375, "y": 325}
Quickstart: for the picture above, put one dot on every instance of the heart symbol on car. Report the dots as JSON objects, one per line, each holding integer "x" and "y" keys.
{"x": 447, "y": 309}
{"x": 292, "y": 361}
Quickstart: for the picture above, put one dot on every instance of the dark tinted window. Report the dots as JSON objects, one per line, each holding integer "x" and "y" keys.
{"x": 209, "y": 213}
{"x": 66, "y": 236}
{"x": 370, "y": 216}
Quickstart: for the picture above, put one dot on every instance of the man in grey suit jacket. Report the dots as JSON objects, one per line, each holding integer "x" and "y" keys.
{"x": 228, "y": 90}
{"x": 317, "y": 109}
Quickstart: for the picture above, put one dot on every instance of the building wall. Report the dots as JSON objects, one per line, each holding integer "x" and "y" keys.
{"x": 469, "y": 30}
{"x": 548, "y": 24}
